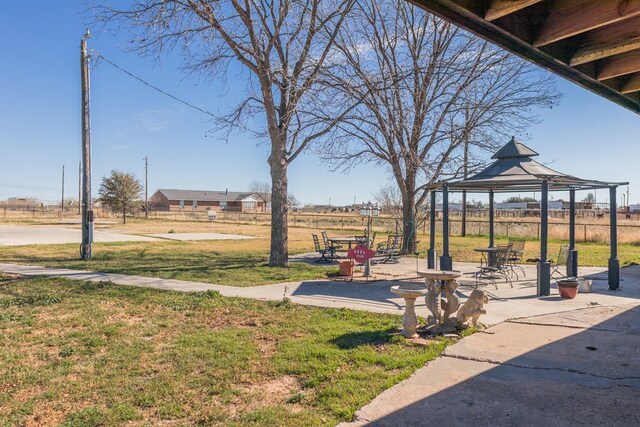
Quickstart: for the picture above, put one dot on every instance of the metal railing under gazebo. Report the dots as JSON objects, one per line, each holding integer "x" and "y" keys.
{"x": 514, "y": 170}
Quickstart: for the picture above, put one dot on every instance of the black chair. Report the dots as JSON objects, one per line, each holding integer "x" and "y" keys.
{"x": 328, "y": 244}
{"x": 389, "y": 251}
{"x": 499, "y": 267}
{"x": 322, "y": 251}
{"x": 517, "y": 253}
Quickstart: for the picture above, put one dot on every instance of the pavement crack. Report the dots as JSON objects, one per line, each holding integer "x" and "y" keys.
{"x": 590, "y": 327}
{"x": 516, "y": 365}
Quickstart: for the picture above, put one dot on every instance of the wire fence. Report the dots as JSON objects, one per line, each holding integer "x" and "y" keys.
{"x": 589, "y": 228}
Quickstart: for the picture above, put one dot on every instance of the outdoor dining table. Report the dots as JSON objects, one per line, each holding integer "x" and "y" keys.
{"x": 488, "y": 256}
{"x": 349, "y": 240}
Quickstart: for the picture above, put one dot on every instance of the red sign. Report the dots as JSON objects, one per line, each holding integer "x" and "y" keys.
{"x": 360, "y": 253}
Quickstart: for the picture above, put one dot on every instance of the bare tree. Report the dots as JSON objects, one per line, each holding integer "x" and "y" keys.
{"x": 284, "y": 46}
{"x": 390, "y": 200}
{"x": 292, "y": 201}
{"x": 262, "y": 190}
{"x": 427, "y": 90}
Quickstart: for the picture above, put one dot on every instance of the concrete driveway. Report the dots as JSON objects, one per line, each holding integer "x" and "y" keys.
{"x": 11, "y": 235}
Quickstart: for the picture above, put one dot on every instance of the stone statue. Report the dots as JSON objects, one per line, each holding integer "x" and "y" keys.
{"x": 451, "y": 304}
{"x": 432, "y": 301}
{"x": 473, "y": 307}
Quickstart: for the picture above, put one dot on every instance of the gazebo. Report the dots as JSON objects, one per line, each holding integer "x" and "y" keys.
{"x": 514, "y": 170}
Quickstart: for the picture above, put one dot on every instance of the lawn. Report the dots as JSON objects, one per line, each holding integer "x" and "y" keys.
{"x": 244, "y": 262}
{"x": 88, "y": 354}
{"x": 193, "y": 261}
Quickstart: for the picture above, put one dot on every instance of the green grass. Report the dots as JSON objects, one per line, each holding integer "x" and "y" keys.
{"x": 193, "y": 261}
{"x": 94, "y": 354}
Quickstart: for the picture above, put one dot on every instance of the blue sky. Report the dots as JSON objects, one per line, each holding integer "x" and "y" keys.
{"x": 40, "y": 122}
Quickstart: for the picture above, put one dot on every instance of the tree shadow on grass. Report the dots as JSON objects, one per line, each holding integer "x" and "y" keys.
{"x": 357, "y": 339}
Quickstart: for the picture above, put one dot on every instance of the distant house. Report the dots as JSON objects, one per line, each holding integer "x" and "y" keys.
{"x": 195, "y": 200}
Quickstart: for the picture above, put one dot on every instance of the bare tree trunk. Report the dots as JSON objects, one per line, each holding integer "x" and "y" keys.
{"x": 279, "y": 255}
{"x": 124, "y": 215}
{"x": 407, "y": 189}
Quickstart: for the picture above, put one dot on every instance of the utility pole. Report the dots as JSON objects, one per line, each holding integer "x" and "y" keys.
{"x": 146, "y": 187}
{"x": 87, "y": 212}
{"x": 628, "y": 203}
{"x": 62, "y": 204}
{"x": 79, "y": 187}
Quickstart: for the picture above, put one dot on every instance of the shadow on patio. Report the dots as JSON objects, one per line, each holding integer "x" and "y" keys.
{"x": 578, "y": 367}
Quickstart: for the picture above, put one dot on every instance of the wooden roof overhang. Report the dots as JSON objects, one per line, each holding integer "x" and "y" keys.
{"x": 594, "y": 43}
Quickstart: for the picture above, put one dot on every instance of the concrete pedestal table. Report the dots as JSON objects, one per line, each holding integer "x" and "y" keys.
{"x": 409, "y": 319}
{"x": 439, "y": 281}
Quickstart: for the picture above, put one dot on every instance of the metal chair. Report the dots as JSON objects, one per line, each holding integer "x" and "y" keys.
{"x": 390, "y": 250}
{"x": 517, "y": 253}
{"x": 328, "y": 243}
{"x": 498, "y": 268}
{"x": 322, "y": 251}
{"x": 563, "y": 257}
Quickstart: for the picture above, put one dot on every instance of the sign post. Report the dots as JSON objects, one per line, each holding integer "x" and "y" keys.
{"x": 369, "y": 210}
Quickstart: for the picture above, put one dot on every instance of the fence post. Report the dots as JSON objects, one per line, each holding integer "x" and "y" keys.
{"x": 538, "y": 231}
{"x": 585, "y": 232}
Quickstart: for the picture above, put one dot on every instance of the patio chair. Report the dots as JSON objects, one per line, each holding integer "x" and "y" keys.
{"x": 322, "y": 251}
{"x": 563, "y": 257}
{"x": 517, "y": 253}
{"x": 389, "y": 251}
{"x": 361, "y": 240}
{"x": 328, "y": 244}
{"x": 373, "y": 239}
{"x": 500, "y": 267}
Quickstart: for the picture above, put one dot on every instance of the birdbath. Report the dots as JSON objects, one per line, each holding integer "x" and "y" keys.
{"x": 439, "y": 281}
{"x": 409, "y": 319}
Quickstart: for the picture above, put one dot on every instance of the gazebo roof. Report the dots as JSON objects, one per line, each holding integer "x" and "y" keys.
{"x": 514, "y": 170}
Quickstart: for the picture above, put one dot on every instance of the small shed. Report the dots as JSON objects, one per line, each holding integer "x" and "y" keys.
{"x": 514, "y": 170}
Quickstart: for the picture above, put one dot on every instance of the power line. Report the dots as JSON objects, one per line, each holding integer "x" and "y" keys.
{"x": 141, "y": 80}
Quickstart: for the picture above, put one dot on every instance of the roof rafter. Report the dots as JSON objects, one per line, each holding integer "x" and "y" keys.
{"x": 632, "y": 85}
{"x": 619, "y": 65}
{"x": 499, "y": 8}
{"x": 608, "y": 41}
{"x": 566, "y": 18}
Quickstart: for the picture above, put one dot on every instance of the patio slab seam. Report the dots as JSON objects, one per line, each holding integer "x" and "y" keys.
{"x": 540, "y": 368}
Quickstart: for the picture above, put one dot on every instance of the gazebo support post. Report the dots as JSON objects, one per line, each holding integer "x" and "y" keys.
{"x": 572, "y": 262}
{"x": 431, "y": 252}
{"x": 446, "y": 263}
{"x": 614, "y": 262}
{"x": 544, "y": 267}
{"x": 463, "y": 224}
{"x": 491, "y": 220}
